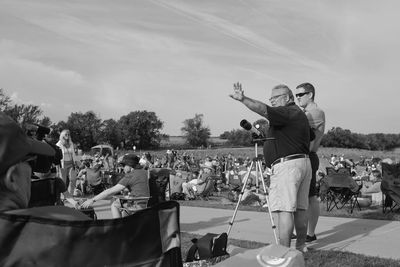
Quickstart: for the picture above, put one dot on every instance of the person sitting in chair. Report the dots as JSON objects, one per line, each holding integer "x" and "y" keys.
{"x": 135, "y": 181}
{"x": 197, "y": 185}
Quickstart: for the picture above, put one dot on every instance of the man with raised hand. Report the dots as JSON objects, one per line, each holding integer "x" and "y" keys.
{"x": 286, "y": 153}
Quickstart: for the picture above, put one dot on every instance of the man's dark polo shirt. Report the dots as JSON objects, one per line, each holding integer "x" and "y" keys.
{"x": 290, "y": 128}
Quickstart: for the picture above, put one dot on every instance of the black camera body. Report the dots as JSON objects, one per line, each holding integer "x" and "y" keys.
{"x": 256, "y": 132}
{"x": 43, "y": 164}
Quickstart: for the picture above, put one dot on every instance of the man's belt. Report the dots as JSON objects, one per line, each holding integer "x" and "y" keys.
{"x": 290, "y": 157}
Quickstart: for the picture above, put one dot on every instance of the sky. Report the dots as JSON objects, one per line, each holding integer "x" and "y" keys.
{"x": 179, "y": 58}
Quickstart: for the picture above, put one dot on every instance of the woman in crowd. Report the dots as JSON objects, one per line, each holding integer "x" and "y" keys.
{"x": 67, "y": 171}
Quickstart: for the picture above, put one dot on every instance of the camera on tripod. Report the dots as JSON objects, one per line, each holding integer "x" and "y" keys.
{"x": 256, "y": 129}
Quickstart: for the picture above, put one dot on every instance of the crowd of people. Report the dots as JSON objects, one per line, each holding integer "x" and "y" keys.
{"x": 290, "y": 162}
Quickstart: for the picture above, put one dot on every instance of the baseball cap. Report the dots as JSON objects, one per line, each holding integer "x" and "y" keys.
{"x": 15, "y": 145}
{"x": 130, "y": 160}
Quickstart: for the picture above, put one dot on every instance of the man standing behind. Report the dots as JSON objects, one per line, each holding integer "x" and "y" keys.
{"x": 305, "y": 94}
{"x": 287, "y": 156}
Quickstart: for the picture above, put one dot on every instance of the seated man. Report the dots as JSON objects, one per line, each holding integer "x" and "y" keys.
{"x": 135, "y": 181}
{"x": 17, "y": 154}
{"x": 371, "y": 189}
{"x": 374, "y": 183}
{"x": 197, "y": 185}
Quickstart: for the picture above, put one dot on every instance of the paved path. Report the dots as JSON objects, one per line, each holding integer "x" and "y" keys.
{"x": 369, "y": 237}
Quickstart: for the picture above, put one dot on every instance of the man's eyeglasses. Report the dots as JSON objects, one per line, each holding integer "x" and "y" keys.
{"x": 302, "y": 94}
{"x": 275, "y": 97}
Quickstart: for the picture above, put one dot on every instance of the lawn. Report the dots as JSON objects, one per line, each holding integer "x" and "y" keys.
{"x": 313, "y": 257}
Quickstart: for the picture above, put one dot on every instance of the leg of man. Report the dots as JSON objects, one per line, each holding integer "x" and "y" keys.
{"x": 300, "y": 216}
{"x": 285, "y": 227}
{"x": 286, "y": 179}
{"x": 300, "y": 222}
{"x": 313, "y": 215}
{"x": 313, "y": 208}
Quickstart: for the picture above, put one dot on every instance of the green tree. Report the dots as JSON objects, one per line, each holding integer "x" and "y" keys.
{"x": 141, "y": 128}
{"x": 237, "y": 137}
{"x": 5, "y": 100}
{"x": 195, "y": 133}
{"x": 110, "y": 133}
{"x": 22, "y": 113}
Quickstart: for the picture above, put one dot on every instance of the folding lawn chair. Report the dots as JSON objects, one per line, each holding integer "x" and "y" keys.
{"x": 342, "y": 189}
{"x": 208, "y": 188}
{"x": 390, "y": 186}
{"x": 150, "y": 237}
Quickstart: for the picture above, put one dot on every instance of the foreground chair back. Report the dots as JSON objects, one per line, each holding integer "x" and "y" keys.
{"x": 390, "y": 186}
{"x": 150, "y": 237}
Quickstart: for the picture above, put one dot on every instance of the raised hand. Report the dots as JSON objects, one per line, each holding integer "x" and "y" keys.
{"x": 238, "y": 93}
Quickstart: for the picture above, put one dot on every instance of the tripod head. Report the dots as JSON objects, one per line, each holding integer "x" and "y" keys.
{"x": 259, "y": 157}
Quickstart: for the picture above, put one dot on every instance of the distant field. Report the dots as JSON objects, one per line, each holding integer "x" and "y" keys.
{"x": 179, "y": 141}
{"x": 324, "y": 152}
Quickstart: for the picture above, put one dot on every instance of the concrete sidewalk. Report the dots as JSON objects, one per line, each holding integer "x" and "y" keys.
{"x": 368, "y": 237}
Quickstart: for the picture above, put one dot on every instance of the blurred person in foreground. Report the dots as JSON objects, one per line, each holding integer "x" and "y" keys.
{"x": 18, "y": 153}
{"x": 287, "y": 156}
{"x": 135, "y": 181}
{"x": 305, "y": 94}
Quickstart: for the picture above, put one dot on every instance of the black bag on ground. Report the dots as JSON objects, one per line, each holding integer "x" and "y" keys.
{"x": 207, "y": 247}
{"x": 177, "y": 196}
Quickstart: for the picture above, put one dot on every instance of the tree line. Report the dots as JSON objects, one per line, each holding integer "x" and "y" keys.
{"x": 335, "y": 137}
{"x": 142, "y": 129}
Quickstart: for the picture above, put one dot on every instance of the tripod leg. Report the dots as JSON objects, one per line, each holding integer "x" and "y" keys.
{"x": 258, "y": 165}
{"x": 259, "y": 168}
{"x": 246, "y": 177}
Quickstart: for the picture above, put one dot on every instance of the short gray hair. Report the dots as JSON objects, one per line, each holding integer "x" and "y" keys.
{"x": 287, "y": 89}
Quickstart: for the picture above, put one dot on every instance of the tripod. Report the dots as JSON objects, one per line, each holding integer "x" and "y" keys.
{"x": 256, "y": 163}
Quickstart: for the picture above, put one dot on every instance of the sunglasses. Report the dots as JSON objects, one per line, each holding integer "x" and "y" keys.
{"x": 302, "y": 94}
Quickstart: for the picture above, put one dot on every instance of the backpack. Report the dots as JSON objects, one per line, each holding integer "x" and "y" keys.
{"x": 207, "y": 247}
